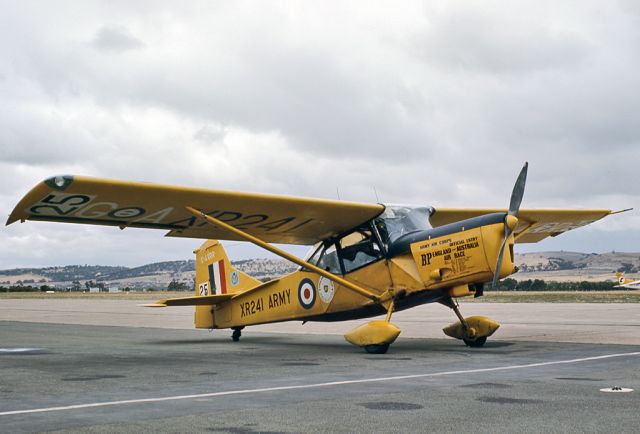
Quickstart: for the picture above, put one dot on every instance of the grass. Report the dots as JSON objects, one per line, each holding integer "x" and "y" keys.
{"x": 489, "y": 296}
{"x": 557, "y": 297}
{"x": 154, "y": 295}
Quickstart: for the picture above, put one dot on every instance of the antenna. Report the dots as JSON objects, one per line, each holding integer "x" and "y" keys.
{"x": 376, "y": 193}
{"x": 338, "y": 192}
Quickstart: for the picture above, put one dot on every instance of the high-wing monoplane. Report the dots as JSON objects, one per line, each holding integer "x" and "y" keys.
{"x": 623, "y": 282}
{"x": 366, "y": 259}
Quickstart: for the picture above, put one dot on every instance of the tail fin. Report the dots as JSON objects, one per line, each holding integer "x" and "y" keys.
{"x": 216, "y": 276}
{"x": 214, "y": 273}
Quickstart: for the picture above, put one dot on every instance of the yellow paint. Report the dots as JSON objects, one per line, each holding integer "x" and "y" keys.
{"x": 285, "y": 255}
{"x": 480, "y": 326}
{"x": 274, "y": 218}
{"x": 538, "y": 223}
{"x": 449, "y": 264}
{"x": 209, "y": 254}
{"x": 373, "y": 333}
{"x": 460, "y": 291}
{"x": 462, "y": 258}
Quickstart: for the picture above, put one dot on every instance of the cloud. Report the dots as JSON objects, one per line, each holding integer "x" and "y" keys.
{"x": 117, "y": 39}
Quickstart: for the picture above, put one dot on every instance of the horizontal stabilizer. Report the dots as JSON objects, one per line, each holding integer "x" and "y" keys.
{"x": 209, "y": 300}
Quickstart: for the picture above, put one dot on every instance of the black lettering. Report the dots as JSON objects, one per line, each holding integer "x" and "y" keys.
{"x": 276, "y": 224}
{"x": 271, "y": 302}
{"x": 251, "y": 220}
{"x": 191, "y": 220}
{"x": 83, "y": 200}
{"x": 299, "y": 225}
{"x": 288, "y": 296}
{"x": 211, "y": 214}
{"x": 281, "y": 298}
{"x": 127, "y": 213}
{"x": 234, "y": 216}
{"x": 74, "y": 203}
{"x": 241, "y": 310}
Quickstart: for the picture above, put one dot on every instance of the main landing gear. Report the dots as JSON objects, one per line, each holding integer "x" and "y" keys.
{"x": 473, "y": 331}
{"x": 235, "y": 336}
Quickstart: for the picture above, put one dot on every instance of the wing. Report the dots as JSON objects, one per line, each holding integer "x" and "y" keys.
{"x": 533, "y": 224}
{"x": 276, "y": 219}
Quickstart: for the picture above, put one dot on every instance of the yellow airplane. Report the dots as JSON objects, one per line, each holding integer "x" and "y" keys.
{"x": 366, "y": 259}
{"x": 623, "y": 282}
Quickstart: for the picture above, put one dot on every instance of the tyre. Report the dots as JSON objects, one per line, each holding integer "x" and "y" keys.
{"x": 376, "y": 349}
{"x": 477, "y": 343}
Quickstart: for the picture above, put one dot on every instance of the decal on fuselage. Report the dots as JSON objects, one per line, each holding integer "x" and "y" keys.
{"x": 306, "y": 293}
{"x": 455, "y": 254}
{"x": 325, "y": 289}
{"x": 257, "y": 305}
{"x": 235, "y": 278}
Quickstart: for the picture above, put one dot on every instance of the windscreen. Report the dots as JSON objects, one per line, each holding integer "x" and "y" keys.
{"x": 399, "y": 220}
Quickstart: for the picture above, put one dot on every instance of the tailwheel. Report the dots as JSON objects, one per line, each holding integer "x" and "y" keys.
{"x": 377, "y": 349}
{"x": 476, "y": 343}
{"x": 235, "y": 336}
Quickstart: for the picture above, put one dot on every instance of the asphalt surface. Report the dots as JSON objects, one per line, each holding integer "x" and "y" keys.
{"x": 179, "y": 380}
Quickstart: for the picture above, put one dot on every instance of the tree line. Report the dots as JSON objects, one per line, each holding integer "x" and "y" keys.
{"x": 541, "y": 285}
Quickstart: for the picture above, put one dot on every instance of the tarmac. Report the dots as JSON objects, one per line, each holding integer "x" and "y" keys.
{"x": 111, "y": 366}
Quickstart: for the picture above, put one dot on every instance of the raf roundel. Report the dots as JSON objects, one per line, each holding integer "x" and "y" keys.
{"x": 306, "y": 293}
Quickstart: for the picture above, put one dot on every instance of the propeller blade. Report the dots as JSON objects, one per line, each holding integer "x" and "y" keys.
{"x": 514, "y": 207}
{"x": 496, "y": 273}
{"x": 518, "y": 191}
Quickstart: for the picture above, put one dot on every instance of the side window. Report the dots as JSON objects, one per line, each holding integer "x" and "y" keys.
{"x": 358, "y": 249}
{"x": 329, "y": 260}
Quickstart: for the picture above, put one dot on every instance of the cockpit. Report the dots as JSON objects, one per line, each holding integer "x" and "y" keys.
{"x": 371, "y": 241}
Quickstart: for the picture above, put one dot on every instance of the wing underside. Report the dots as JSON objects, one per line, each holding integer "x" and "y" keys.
{"x": 273, "y": 218}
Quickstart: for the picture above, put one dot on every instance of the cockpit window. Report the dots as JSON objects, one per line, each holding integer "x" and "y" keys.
{"x": 358, "y": 249}
{"x": 329, "y": 260}
{"x": 398, "y": 220}
{"x": 361, "y": 246}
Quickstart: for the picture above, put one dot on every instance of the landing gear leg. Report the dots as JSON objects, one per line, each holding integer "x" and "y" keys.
{"x": 235, "y": 336}
{"x": 474, "y": 330}
{"x": 468, "y": 331}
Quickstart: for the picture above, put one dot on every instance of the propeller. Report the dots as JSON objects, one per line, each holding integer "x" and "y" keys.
{"x": 511, "y": 219}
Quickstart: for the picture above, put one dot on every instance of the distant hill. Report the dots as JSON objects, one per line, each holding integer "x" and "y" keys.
{"x": 565, "y": 266}
{"x": 558, "y": 266}
{"x": 156, "y": 275}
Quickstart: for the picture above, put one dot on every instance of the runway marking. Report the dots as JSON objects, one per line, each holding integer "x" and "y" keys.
{"x": 314, "y": 385}
{"x": 19, "y": 350}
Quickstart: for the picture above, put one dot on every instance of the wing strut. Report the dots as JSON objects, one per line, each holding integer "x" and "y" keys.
{"x": 273, "y": 249}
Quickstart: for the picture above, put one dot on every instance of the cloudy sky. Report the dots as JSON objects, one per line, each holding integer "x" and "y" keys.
{"x": 437, "y": 103}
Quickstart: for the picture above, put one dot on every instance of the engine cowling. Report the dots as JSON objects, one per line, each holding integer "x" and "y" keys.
{"x": 463, "y": 253}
